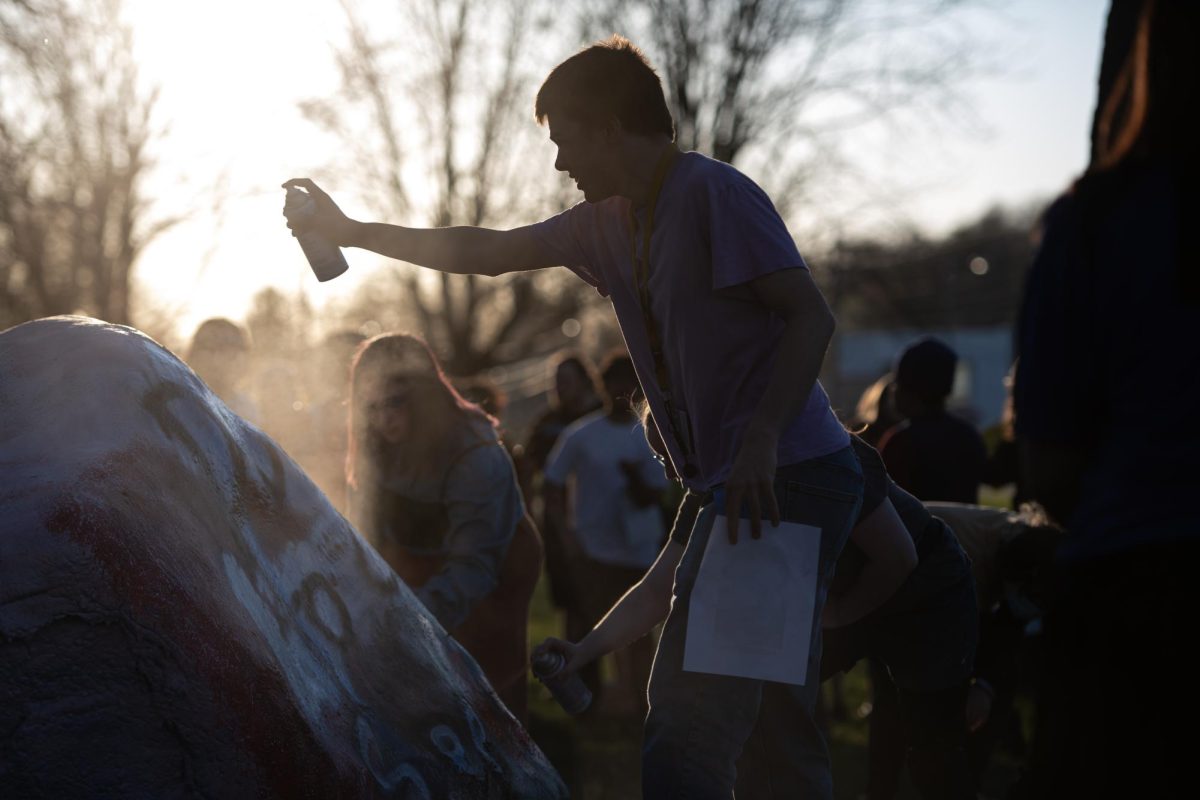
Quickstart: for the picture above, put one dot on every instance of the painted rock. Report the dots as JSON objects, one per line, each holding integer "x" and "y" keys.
{"x": 183, "y": 613}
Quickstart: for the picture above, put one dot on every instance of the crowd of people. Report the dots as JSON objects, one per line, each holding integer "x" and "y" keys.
{"x": 715, "y": 402}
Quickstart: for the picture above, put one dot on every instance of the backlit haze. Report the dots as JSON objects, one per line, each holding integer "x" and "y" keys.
{"x": 231, "y": 75}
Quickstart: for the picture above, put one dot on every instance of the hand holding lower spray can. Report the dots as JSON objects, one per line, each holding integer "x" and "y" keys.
{"x": 323, "y": 256}
{"x": 568, "y": 688}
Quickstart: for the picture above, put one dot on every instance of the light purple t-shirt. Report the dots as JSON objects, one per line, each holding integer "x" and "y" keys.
{"x": 714, "y": 231}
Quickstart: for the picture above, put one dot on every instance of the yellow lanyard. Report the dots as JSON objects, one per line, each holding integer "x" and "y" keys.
{"x": 641, "y": 274}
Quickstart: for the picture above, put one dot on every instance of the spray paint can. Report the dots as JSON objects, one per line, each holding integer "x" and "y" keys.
{"x": 323, "y": 256}
{"x": 568, "y": 689}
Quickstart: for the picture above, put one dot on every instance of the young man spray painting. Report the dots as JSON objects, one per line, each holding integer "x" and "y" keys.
{"x": 727, "y": 331}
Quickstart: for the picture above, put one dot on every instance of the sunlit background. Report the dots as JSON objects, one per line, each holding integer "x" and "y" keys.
{"x": 233, "y": 73}
{"x": 927, "y": 115}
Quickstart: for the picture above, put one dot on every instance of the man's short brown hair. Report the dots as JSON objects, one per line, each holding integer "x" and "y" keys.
{"x": 611, "y": 78}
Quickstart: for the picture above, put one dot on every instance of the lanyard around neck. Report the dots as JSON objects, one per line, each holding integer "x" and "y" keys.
{"x": 641, "y": 274}
{"x": 641, "y": 259}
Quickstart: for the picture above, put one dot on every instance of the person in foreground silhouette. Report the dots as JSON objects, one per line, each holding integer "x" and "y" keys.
{"x": 727, "y": 330}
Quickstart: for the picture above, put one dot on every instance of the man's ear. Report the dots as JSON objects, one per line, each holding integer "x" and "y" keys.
{"x": 612, "y": 130}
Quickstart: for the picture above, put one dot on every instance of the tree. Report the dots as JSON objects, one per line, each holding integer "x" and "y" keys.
{"x": 76, "y": 132}
{"x": 971, "y": 277}
{"x": 469, "y": 86}
{"x": 775, "y": 86}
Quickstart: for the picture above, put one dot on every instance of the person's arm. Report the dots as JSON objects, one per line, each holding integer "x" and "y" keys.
{"x": 633, "y": 616}
{"x": 794, "y": 296}
{"x": 484, "y": 505}
{"x": 460, "y": 250}
{"x": 891, "y": 557}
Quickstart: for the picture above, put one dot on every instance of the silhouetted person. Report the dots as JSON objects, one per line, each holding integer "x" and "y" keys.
{"x": 933, "y": 454}
{"x": 727, "y": 330}
{"x": 1105, "y": 405}
{"x": 220, "y": 355}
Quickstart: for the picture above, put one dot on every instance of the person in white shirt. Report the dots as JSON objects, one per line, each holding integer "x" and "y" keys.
{"x": 603, "y": 487}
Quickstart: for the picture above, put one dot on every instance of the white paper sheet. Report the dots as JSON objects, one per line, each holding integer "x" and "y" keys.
{"x": 751, "y": 611}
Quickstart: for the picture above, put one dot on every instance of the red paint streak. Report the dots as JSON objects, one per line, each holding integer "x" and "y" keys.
{"x": 147, "y": 551}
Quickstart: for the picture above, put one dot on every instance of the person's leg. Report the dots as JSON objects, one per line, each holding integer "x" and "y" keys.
{"x": 886, "y": 742}
{"x": 762, "y": 770}
{"x": 698, "y": 723}
{"x": 781, "y": 757}
{"x": 640, "y": 658}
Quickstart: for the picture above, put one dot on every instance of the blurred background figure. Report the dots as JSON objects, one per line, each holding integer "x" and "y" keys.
{"x": 433, "y": 490}
{"x": 573, "y": 394}
{"x": 322, "y": 452}
{"x": 603, "y": 489}
{"x": 933, "y": 454}
{"x": 280, "y": 396}
{"x": 1105, "y": 392}
{"x": 220, "y": 355}
{"x": 486, "y": 394}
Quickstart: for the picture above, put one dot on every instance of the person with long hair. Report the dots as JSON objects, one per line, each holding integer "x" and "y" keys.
{"x": 1109, "y": 358}
{"x": 434, "y": 491}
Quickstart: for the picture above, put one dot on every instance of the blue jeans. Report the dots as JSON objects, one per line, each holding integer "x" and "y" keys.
{"x": 698, "y": 723}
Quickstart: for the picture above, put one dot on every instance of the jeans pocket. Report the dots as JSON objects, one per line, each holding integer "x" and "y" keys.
{"x": 832, "y": 510}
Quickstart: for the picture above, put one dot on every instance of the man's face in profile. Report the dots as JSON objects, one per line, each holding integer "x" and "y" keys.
{"x": 587, "y": 155}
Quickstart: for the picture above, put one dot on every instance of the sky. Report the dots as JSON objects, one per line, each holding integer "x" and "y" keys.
{"x": 231, "y": 74}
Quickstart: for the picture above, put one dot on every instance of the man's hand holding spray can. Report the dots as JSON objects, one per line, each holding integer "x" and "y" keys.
{"x": 323, "y": 256}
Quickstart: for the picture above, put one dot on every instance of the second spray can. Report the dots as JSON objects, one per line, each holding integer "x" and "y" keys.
{"x": 567, "y": 688}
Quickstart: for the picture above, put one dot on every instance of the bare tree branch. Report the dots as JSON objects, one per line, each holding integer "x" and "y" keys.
{"x": 75, "y": 134}
{"x": 466, "y": 82}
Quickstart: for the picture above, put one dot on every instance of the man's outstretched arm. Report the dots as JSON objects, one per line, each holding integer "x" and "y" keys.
{"x": 461, "y": 250}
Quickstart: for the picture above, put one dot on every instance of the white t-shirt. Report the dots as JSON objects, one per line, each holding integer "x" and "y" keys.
{"x": 586, "y": 458}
